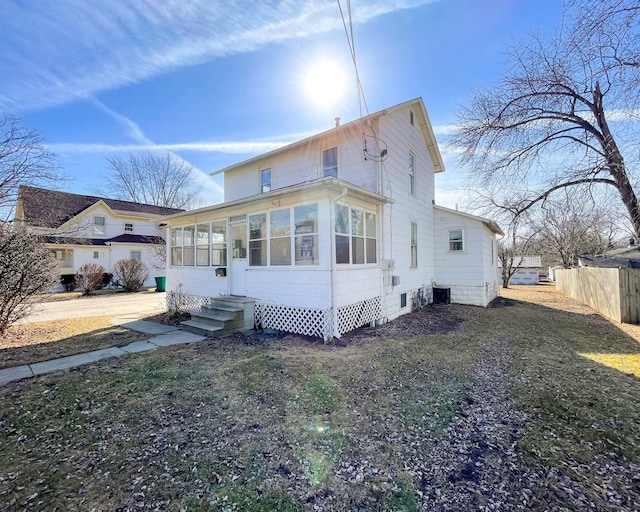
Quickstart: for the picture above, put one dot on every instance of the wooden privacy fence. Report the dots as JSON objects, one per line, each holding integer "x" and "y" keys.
{"x": 614, "y": 292}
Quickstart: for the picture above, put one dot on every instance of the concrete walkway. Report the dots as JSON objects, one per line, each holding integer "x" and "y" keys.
{"x": 165, "y": 336}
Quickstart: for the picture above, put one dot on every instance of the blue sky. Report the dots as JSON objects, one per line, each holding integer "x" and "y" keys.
{"x": 219, "y": 81}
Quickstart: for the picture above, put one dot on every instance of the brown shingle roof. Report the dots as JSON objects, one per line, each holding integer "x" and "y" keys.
{"x": 52, "y": 208}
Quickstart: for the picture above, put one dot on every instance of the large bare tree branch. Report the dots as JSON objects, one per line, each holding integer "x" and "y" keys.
{"x": 548, "y": 124}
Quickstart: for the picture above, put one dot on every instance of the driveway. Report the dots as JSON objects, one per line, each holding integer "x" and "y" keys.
{"x": 131, "y": 305}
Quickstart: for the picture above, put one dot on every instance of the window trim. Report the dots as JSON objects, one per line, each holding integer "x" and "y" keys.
{"x": 132, "y": 252}
{"x": 462, "y": 241}
{"x": 125, "y": 227}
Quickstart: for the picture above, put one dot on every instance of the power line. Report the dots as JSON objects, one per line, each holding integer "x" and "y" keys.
{"x": 352, "y": 50}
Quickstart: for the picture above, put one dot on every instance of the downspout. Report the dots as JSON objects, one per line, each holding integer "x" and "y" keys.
{"x": 381, "y": 237}
{"x": 332, "y": 215}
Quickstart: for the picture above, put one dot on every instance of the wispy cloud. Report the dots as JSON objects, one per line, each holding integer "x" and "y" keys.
{"x": 143, "y": 143}
{"x": 73, "y": 49}
{"x": 236, "y": 148}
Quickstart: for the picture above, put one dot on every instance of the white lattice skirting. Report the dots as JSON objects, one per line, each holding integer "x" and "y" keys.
{"x": 306, "y": 321}
{"x": 184, "y": 302}
{"x": 310, "y": 322}
{"x": 356, "y": 315}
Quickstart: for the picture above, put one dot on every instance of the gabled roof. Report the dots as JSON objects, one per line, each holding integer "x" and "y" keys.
{"x": 425, "y": 126}
{"x": 51, "y": 208}
{"x": 491, "y": 224}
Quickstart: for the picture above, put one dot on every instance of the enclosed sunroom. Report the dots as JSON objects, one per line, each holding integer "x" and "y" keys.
{"x": 308, "y": 256}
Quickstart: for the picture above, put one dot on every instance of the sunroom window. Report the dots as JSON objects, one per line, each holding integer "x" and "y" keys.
{"x": 280, "y": 237}
{"x": 306, "y": 234}
{"x": 258, "y": 240}
{"x": 355, "y": 235}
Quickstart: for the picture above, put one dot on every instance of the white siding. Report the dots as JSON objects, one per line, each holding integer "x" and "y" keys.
{"x": 470, "y": 273}
{"x": 402, "y": 139}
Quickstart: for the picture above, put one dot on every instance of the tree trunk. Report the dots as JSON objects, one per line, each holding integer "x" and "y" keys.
{"x": 615, "y": 163}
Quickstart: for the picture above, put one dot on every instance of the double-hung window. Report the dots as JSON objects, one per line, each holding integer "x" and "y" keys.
{"x": 414, "y": 245}
{"x": 280, "y": 237}
{"x": 219, "y": 243}
{"x": 202, "y": 245}
{"x": 306, "y": 234}
{"x": 136, "y": 255}
{"x": 99, "y": 226}
{"x": 176, "y": 246}
{"x": 412, "y": 174}
{"x": 188, "y": 246}
{"x": 330, "y": 162}
{"x": 265, "y": 180}
{"x": 258, "y": 240}
{"x": 456, "y": 240}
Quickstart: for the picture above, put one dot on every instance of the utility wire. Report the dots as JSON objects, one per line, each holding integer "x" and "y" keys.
{"x": 352, "y": 50}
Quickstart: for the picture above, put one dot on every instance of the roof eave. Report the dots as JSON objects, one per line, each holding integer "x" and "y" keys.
{"x": 335, "y": 183}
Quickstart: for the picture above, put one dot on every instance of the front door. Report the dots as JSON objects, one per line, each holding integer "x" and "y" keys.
{"x": 238, "y": 241}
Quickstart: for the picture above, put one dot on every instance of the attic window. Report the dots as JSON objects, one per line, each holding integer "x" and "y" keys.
{"x": 411, "y": 117}
{"x": 330, "y": 162}
{"x": 128, "y": 227}
{"x": 265, "y": 180}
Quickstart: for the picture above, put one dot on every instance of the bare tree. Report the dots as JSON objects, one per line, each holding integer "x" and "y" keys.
{"x": 565, "y": 112}
{"x": 569, "y": 227}
{"x": 24, "y": 160}
{"x": 149, "y": 178}
{"x": 27, "y": 270}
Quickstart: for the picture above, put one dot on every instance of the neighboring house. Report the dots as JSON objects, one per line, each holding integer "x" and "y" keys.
{"x": 335, "y": 231}
{"x": 528, "y": 269}
{"x": 625, "y": 257}
{"x": 83, "y": 229}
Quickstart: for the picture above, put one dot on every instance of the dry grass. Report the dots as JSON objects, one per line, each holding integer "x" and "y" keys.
{"x": 40, "y": 341}
{"x": 391, "y": 420}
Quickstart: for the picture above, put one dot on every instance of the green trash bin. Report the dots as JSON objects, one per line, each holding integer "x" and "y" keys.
{"x": 160, "y": 283}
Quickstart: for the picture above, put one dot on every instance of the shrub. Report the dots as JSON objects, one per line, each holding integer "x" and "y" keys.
{"x": 89, "y": 277}
{"x": 27, "y": 270}
{"x": 131, "y": 273}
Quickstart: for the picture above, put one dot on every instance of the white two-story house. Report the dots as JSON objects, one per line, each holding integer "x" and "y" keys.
{"x": 83, "y": 229}
{"x": 336, "y": 231}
